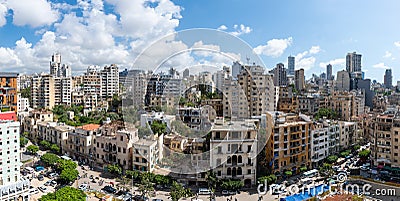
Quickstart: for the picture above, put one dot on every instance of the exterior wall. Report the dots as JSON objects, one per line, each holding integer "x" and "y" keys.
{"x": 9, "y": 152}
{"x": 8, "y": 91}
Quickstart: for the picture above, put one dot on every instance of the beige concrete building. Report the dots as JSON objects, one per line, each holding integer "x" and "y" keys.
{"x": 56, "y": 133}
{"x": 113, "y": 145}
{"x": 30, "y": 122}
{"x": 288, "y": 147}
{"x": 146, "y": 154}
{"x": 43, "y": 91}
{"x": 299, "y": 80}
{"x": 109, "y": 82}
{"x": 233, "y": 150}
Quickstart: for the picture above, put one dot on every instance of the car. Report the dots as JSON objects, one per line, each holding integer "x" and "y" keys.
{"x": 33, "y": 190}
{"x": 48, "y": 183}
{"x": 40, "y": 177}
{"x": 233, "y": 192}
{"x": 83, "y": 187}
{"x": 204, "y": 191}
{"x": 157, "y": 199}
{"x": 109, "y": 189}
{"x": 42, "y": 188}
{"x": 24, "y": 173}
{"x": 225, "y": 192}
{"x": 39, "y": 168}
{"x": 53, "y": 183}
{"x": 53, "y": 175}
{"x": 140, "y": 198}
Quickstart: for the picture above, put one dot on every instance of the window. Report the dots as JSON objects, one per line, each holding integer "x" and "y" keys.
{"x": 219, "y": 173}
{"x": 124, "y": 150}
{"x": 122, "y": 138}
{"x": 248, "y": 171}
{"x": 119, "y": 149}
{"x": 220, "y": 150}
{"x": 218, "y": 161}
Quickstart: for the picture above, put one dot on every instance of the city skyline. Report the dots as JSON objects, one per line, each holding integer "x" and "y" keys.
{"x": 105, "y": 32}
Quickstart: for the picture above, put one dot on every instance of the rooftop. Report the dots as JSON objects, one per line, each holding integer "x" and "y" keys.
{"x": 145, "y": 142}
{"x": 8, "y": 74}
{"x": 89, "y": 127}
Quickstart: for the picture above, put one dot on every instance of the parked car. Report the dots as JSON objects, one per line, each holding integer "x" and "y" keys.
{"x": 204, "y": 191}
{"x": 42, "y": 188}
{"x": 53, "y": 175}
{"x": 109, "y": 189}
{"x": 33, "y": 190}
{"x": 53, "y": 183}
{"x": 225, "y": 192}
{"x": 39, "y": 168}
{"x": 40, "y": 177}
{"x": 83, "y": 187}
{"x": 140, "y": 198}
{"x": 48, "y": 183}
{"x": 233, "y": 192}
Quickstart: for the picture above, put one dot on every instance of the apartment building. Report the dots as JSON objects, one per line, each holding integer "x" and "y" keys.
{"x": 324, "y": 141}
{"x": 43, "y": 91}
{"x": 79, "y": 145}
{"x": 62, "y": 90}
{"x": 109, "y": 82}
{"x": 348, "y": 132}
{"x": 251, "y": 94}
{"x": 146, "y": 154}
{"x": 289, "y": 146}
{"x": 8, "y": 91}
{"x": 384, "y": 138}
{"x": 12, "y": 185}
{"x": 287, "y": 101}
{"x": 113, "y": 145}
{"x": 54, "y": 132}
{"x": 30, "y": 122}
{"x": 148, "y": 118}
{"x": 233, "y": 149}
{"x": 308, "y": 104}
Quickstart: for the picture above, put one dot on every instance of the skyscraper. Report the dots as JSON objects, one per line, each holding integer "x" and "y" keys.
{"x": 58, "y": 70}
{"x": 343, "y": 81}
{"x": 299, "y": 79}
{"x": 387, "y": 80}
{"x": 290, "y": 70}
{"x": 353, "y": 62}
{"x": 280, "y": 77}
{"x": 329, "y": 72}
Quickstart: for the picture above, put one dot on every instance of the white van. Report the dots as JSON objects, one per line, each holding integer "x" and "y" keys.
{"x": 204, "y": 191}
{"x": 29, "y": 169}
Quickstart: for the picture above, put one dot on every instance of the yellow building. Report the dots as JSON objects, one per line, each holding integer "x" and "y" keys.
{"x": 8, "y": 91}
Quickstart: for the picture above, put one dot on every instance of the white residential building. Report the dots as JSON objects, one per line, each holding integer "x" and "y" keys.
{"x": 109, "y": 81}
{"x": 147, "y": 119}
{"x": 12, "y": 186}
{"x": 233, "y": 150}
{"x": 324, "y": 141}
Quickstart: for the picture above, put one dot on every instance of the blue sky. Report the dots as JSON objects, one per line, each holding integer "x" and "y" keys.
{"x": 111, "y": 31}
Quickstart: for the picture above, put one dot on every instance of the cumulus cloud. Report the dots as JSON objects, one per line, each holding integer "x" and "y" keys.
{"x": 306, "y": 60}
{"x": 397, "y": 43}
{"x": 222, "y": 28}
{"x": 3, "y": 13}
{"x": 315, "y": 49}
{"x": 334, "y": 62}
{"x": 387, "y": 54}
{"x": 381, "y": 65}
{"x": 94, "y": 37}
{"x": 237, "y": 29}
{"x": 274, "y": 47}
{"x": 34, "y": 13}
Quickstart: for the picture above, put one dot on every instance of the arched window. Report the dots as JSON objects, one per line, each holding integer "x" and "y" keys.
{"x": 229, "y": 160}
{"x": 239, "y": 171}
{"x": 239, "y": 159}
{"x": 234, "y": 173}
{"x": 234, "y": 160}
{"x": 114, "y": 147}
{"x": 229, "y": 171}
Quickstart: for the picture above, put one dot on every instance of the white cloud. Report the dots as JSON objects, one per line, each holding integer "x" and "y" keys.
{"x": 315, "y": 49}
{"x": 381, "y": 65}
{"x": 222, "y": 28}
{"x": 274, "y": 47}
{"x": 397, "y": 43}
{"x": 237, "y": 29}
{"x": 3, "y": 13}
{"x": 387, "y": 54}
{"x": 334, "y": 62}
{"x": 34, "y": 13}
{"x": 240, "y": 29}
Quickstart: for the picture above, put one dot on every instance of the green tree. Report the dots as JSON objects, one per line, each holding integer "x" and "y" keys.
{"x": 55, "y": 148}
{"x": 181, "y": 128}
{"x": 158, "y": 127}
{"x": 114, "y": 169}
{"x": 332, "y": 159}
{"x": 49, "y": 159}
{"x": 325, "y": 112}
{"x": 33, "y": 149}
{"x": 133, "y": 174}
{"x": 68, "y": 175}
{"x": 364, "y": 154}
{"x": 345, "y": 153}
{"x": 145, "y": 186}
{"x": 178, "y": 191}
{"x": 162, "y": 180}
{"x": 23, "y": 141}
{"x": 63, "y": 164}
{"x": 288, "y": 173}
{"x": 270, "y": 179}
{"x": 65, "y": 194}
{"x": 144, "y": 131}
{"x": 45, "y": 144}
{"x": 356, "y": 147}
{"x": 232, "y": 184}
{"x": 211, "y": 179}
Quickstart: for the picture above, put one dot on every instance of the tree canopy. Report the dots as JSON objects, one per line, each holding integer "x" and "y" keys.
{"x": 158, "y": 127}
{"x": 33, "y": 149}
{"x": 178, "y": 191}
{"x": 49, "y": 159}
{"x": 65, "y": 194}
{"x": 69, "y": 175}
{"x": 326, "y": 112}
